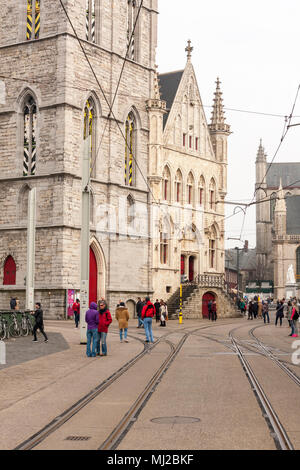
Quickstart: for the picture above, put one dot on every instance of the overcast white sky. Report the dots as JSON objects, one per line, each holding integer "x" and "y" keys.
{"x": 254, "y": 48}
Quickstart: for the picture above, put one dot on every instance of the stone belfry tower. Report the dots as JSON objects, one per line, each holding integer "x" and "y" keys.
{"x": 219, "y": 132}
{"x": 263, "y": 221}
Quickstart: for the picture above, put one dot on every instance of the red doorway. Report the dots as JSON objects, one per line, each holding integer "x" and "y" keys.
{"x": 205, "y": 299}
{"x": 93, "y": 277}
{"x": 191, "y": 268}
{"x": 182, "y": 265}
{"x": 9, "y": 277}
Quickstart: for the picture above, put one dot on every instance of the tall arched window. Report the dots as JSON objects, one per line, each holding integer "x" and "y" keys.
{"x": 33, "y": 21}
{"x": 212, "y": 248}
{"x": 178, "y": 187}
{"x": 30, "y": 133}
{"x": 90, "y": 20}
{"x": 190, "y": 189}
{"x": 130, "y": 146}
{"x": 89, "y": 131}
{"x": 212, "y": 195}
{"x": 166, "y": 184}
{"x": 10, "y": 269}
{"x": 201, "y": 192}
{"x": 132, "y": 33}
{"x": 298, "y": 264}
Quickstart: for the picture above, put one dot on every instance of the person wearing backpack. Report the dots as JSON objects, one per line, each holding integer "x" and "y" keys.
{"x": 294, "y": 321}
{"x": 104, "y": 321}
{"x": 148, "y": 313}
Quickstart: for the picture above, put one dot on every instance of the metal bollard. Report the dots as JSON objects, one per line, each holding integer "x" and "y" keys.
{"x": 2, "y": 353}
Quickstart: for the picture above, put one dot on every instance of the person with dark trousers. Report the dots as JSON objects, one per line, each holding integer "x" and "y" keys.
{"x": 157, "y": 308}
{"x": 214, "y": 311}
{"x": 139, "y": 308}
{"x": 13, "y": 304}
{"x": 76, "y": 310}
{"x": 250, "y": 310}
{"x": 209, "y": 306}
{"x": 39, "y": 322}
{"x": 279, "y": 312}
{"x": 265, "y": 312}
{"x": 255, "y": 309}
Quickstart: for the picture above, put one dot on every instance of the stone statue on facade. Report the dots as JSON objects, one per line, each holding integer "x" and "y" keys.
{"x": 290, "y": 276}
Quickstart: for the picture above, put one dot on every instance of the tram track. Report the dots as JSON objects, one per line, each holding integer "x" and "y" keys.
{"x": 279, "y": 433}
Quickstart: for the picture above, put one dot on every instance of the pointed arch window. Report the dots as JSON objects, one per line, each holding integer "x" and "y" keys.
{"x": 298, "y": 264}
{"x": 131, "y": 30}
{"x": 178, "y": 187}
{"x": 212, "y": 248}
{"x": 10, "y": 270}
{"x": 130, "y": 147}
{"x": 212, "y": 195}
{"x": 190, "y": 189}
{"x": 89, "y": 130}
{"x": 164, "y": 248}
{"x": 166, "y": 184}
{"x": 90, "y": 21}
{"x": 30, "y": 133}
{"x": 33, "y": 22}
{"x": 201, "y": 191}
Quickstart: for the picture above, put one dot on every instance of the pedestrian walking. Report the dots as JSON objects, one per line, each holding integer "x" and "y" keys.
{"x": 157, "y": 306}
{"x": 209, "y": 306}
{"x": 13, "y": 303}
{"x": 104, "y": 321}
{"x": 294, "y": 321}
{"x": 265, "y": 312}
{"x": 279, "y": 313}
{"x": 255, "y": 309}
{"x": 147, "y": 316}
{"x": 39, "y": 322}
{"x": 242, "y": 306}
{"x": 122, "y": 316}
{"x": 163, "y": 311}
{"x": 76, "y": 310}
{"x": 139, "y": 308}
{"x": 92, "y": 320}
{"x": 214, "y": 311}
{"x": 289, "y": 313}
{"x": 250, "y": 310}
{"x": 259, "y": 309}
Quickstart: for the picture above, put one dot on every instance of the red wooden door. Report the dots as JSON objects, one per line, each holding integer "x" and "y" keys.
{"x": 205, "y": 299}
{"x": 9, "y": 278}
{"x": 93, "y": 277}
{"x": 182, "y": 265}
{"x": 191, "y": 268}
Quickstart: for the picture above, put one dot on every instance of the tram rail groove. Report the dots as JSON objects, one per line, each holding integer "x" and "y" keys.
{"x": 282, "y": 438}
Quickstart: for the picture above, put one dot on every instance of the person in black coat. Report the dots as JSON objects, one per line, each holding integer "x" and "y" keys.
{"x": 39, "y": 322}
{"x": 13, "y": 304}
{"x": 157, "y": 313}
{"x": 279, "y": 312}
{"x": 139, "y": 308}
{"x": 255, "y": 309}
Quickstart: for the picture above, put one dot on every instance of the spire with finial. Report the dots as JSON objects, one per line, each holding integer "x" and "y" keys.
{"x": 261, "y": 154}
{"x": 218, "y": 116}
{"x": 189, "y": 49}
{"x": 280, "y": 204}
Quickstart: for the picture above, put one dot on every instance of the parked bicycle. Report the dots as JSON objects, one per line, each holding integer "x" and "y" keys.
{"x": 15, "y": 328}
{"x": 26, "y": 325}
{"x": 4, "y": 330}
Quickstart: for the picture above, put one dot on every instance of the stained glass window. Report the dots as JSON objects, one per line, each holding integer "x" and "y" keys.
{"x": 129, "y": 150}
{"x": 90, "y": 20}
{"x": 30, "y": 131}
{"x": 33, "y": 25}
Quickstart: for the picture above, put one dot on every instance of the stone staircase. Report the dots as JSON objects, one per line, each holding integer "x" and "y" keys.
{"x": 193, "y": 294}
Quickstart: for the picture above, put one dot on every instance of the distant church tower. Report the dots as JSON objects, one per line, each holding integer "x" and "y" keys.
{"x": 263, "y": 219}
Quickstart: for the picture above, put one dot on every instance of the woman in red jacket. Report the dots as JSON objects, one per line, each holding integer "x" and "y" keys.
{"x": 104, "y": 322}
{"x": 148, "y": 313}
{"x": 294, "y": 320}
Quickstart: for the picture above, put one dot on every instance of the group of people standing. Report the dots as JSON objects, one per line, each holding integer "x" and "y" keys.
{"x": 161, "y": 312}
{"x": 212, "y": 310}
{"x": 98, "y": 319}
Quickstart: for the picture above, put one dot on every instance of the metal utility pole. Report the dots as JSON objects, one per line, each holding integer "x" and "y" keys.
{"x": 238, "y": 270}
{"x": 31, "y": 227}
{"x": 85, "y": 239}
